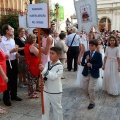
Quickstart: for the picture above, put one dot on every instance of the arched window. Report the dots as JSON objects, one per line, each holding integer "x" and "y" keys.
{"x": 103, "y": 20}
{"x": 104, "y": 24}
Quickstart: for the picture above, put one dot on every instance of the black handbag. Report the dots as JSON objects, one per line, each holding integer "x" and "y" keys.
{"x": 71, "y": 45}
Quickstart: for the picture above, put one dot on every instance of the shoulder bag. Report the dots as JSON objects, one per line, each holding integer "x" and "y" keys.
{"x": 71, "y": 44}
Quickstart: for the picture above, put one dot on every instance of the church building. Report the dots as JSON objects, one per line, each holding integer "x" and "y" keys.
{"x": 108, "y": 14}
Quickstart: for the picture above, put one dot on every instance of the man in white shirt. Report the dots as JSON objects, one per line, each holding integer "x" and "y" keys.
{"x": 8, "y": 47}
{"x": 74, "y": 44}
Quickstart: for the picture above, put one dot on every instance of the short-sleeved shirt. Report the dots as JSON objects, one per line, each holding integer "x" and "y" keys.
{"x": 76, "y": 41}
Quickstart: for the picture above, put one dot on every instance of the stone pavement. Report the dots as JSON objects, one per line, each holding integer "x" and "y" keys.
{"x": 74, "y": 104}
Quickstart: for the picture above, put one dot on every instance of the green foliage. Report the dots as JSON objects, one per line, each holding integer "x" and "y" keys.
{"x": 45, "y": 1}
{"x": 11, "y": 19}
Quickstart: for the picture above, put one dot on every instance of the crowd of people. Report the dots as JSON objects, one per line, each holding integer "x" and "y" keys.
{"x": 96, "y": 59}
{"x": 95, "y": 72}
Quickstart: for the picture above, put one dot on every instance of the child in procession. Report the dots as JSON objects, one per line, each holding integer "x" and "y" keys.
{"x": 92, "y": 62}
{"x": 52, "y": 72}
{"x": 111, "y": 67}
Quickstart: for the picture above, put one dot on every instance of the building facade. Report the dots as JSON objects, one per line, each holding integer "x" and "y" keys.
{"x": 13, "y": 6}
{"x": 108, "y": 14}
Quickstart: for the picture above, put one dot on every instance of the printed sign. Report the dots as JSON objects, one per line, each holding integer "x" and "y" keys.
{"x": 38, "y": 15}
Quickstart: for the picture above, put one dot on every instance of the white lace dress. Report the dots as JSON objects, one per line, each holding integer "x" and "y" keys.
{"x": 100, "y": 79}
{"x": 80, "y": 68}
{"x": 111, "y": 78}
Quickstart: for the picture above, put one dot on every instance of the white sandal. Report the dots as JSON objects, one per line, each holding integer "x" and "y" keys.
{"x": 2, "y": 111}
{"x": 2, "y": 108}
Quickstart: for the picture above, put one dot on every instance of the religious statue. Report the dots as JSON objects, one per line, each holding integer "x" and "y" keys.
{"x": 85, "y": 15}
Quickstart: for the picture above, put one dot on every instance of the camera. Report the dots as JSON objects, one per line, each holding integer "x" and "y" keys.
{"x": 45, "y": 78}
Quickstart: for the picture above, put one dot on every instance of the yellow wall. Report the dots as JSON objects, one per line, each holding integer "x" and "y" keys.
{"x": 15, "y": 5}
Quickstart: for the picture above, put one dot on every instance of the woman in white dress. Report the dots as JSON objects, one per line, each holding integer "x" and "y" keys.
{"x": 111, "y": 79}
{"x": 100, "y": 79}
{"x": 84, "y": 48}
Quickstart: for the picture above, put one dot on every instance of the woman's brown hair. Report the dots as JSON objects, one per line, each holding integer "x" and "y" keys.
{"x": 20, "y": 29}
{"x": 30, "y": 38}
{"x": 91, "y": 35}
{"x": 112, "y": 37}
{"x": 46, "y": 30}
{"x": 100, "y": 40}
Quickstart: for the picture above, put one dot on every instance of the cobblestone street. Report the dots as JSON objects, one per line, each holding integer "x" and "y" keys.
{"x": 74, "y": 104}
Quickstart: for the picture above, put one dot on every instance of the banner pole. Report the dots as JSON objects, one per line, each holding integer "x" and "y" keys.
{"x": 41, "y": 79}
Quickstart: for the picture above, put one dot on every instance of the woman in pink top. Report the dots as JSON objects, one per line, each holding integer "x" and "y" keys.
{"x": 47, "y": 43}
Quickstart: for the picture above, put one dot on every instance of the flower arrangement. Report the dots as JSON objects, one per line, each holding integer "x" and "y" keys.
{"x": 11, "y": 19}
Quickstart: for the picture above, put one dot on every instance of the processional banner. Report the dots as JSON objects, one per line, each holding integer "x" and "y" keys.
{"x": 86, "y": 12}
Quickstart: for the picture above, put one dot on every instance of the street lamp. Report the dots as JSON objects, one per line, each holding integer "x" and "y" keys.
{"x": 31, "y": 1}
{"x": 57, "y": 15}
{"x": 57, "y": 7}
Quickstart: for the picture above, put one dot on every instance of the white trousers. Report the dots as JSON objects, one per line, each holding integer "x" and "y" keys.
{"x": 55, "y": 100}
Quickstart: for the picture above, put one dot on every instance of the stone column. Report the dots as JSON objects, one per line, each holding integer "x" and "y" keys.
{"x": 106, "y": 24}
{"x": 11, "y": 4}
{"x": 113, "y": 20}
{"x": 117, "y": 20}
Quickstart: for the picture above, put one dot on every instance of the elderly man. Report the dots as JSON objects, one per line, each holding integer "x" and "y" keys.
{"x": 74, "y": 44}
